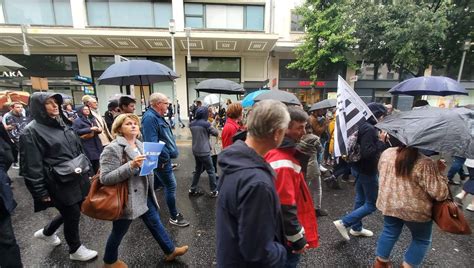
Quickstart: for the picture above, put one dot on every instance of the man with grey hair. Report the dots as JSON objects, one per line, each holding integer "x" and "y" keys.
{"x": 104, "y": 134}
{"x": 299, "y": 218}
{"x": 249, "y": 228}
{"x": 155, "y": 129}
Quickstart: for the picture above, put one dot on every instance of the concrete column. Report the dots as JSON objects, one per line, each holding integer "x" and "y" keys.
{"x": 2, "y": 18}
{"x": 84, "y": 65}
{"x": 79, "y": 14}
{"x": 349, "y": 73}
{"x": 178, "y": 15}
{"x": 181, "y": 85}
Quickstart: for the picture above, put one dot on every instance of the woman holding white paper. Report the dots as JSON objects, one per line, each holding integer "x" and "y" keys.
{"x": 121, "y": 160}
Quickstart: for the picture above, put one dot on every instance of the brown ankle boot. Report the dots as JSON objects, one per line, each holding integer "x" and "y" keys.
{"x": 117, "y": 264}
{"x": 179, "y": 251}
{"x": 382, "y": 264}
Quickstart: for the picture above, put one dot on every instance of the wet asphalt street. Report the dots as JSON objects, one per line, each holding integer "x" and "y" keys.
{"x": 140, "y": 249}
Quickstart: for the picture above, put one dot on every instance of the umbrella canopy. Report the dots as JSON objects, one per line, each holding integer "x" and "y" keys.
{"x": 324, "y": 104}
{"x": 13, "y": 96}
{"x": 280, "y": 95}
{"x": 220, "y": 86}
{"x": 136, "y": 72}
{"x": 249, "y": 100}
{"x": 429, "y": 85}
{"x": 7, "y": 64}
{"x": 441, "y": 130}
{"x": 211, "y": 99}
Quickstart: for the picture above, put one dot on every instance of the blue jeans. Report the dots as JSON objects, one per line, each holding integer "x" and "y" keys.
{"x": 168, "y": 180}
{"x": 204, "y": 163}
{"x": 420, "y": 243}
{"x": 366, "y": 196}
{"x": 456, "y": 167}
{"x": 151, "y": 218}
{"x": 292, "y": 259}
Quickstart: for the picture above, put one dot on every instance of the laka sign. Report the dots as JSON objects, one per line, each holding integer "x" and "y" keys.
{"x": 11, "y": 74}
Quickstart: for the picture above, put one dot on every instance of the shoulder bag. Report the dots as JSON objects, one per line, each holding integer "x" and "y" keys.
{"x": 106, "y": 202}
{"x": 71, "y": 170}
{"x": 449, "y": 217}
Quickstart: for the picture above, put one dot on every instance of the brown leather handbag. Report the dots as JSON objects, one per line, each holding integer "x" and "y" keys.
{"x": 106, "y": 202}
{"x": 449, "y": 217}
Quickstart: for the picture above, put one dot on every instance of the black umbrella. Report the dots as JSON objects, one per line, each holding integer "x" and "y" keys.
{"x": 435, "y": 129}
{"x": 324, "y": 104}
{"x": 280, "y": 95}
{"x": 429, "y": 85}
{"x": 220, "y": 86}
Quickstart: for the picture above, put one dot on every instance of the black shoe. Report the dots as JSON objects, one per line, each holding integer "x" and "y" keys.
{"x": 214, "y": 194}
{"x": 452, "y": 182}
{"x": 321, "y": 212}
{"x": 464, "y": 177}
{"x": 195, "y": 193}
{"x": 179, "y": 221}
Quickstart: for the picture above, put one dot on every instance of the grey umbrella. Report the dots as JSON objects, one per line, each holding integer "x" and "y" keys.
{"x": 324, "y": 104}
{"x": 429, "y": 85}
{"x": 136, "y": 72}
{"x": 441, "y": 130}
{"x": 7, "y": 64}
{"x": 283, "y": 96}
{"x": 220, "y": 86}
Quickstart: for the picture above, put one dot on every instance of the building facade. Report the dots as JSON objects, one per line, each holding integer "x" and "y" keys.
{"x": 247, "y": 41}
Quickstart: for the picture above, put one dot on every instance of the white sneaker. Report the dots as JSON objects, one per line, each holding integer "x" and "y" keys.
{"x": 363, "y": 232}
{"x": 53, "y": 239}
{"x": 83, "y": 254}
{"x": 342, "y": 229}
{"x": 322, "y": 168}
{"x": 470, "y": 207}
{"x": 458, "y": 198}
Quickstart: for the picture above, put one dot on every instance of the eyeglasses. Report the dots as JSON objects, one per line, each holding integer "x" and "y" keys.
{"x": 167, "y": 103}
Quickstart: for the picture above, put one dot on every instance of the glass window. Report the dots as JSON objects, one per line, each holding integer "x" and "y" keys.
{"x": 193, "y": 95}
{"x": 46, "y": 62}
{"x": 40, "y": 12}
{"x": 98, "y": 13}
{"x": 286, "y": 73}
{"x": 100, "y": 63}
{"x": 224, "y": 17}
{"x": 131, "y": 14}
{"x": 194, "y": 15}
{"x": 214, "y": 65}
{"x": 296, "y": 22}
{"x": 163, "y": 14}
{"x": 254, "y": 18}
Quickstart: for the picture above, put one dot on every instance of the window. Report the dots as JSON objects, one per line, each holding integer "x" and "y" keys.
{"x": 291, "y": 74}
{"x": 131, "y": 13}
{"x": 214, "y": 65}
{"x": 369, "y": 71}
{"x": 194, "y": 15}
{"x": 212, "y": 16}
{"x": 296, "y": 22}
{"x": 39, "y": 12}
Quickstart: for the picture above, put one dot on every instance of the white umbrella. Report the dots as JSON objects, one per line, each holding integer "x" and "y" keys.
{"x": 211, "y": 99}
{"x": 7, "y": 64}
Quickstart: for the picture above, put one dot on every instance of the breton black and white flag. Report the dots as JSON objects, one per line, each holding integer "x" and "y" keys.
{"x": 351, "y": 112}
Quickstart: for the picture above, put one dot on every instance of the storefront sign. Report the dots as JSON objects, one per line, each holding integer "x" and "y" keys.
{"x": 310, "y": 83}
{"x": 11, "y": 74}
{"x": 84, "y": 79}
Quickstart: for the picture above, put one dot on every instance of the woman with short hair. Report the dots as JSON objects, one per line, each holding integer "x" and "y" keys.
{"x": 232, "y": 124}
{"x": 121, "y": 161}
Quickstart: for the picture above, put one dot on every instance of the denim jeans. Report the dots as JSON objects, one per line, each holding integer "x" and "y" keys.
{"x": 70, "y": 216}
{"x": 365, "y": 199}
{"x": 420, "y": 243}
{"x": 204, "y": 163}
{"x": 9, "y": 250}
{"x": 168, "y": 180}
{"x": 151, "y": 218}
{"x": 292, "y": 259}
{"x": 456, "y": 167}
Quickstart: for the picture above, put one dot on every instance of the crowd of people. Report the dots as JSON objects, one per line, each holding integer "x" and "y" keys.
{"x": 271, "y": 158}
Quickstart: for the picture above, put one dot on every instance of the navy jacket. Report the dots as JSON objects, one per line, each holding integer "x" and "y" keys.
{"x": 370, "y": 148}
{"x": 93, "y": 146}
{"x": 200, "y": 130}
{"x": 249, "y": 221}
{"x": 155, "y": 129}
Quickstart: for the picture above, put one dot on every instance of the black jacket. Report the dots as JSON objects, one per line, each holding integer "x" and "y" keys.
{"x": 45, "y": 143}
{"x": 370, "y": 148}
{"x": 249, "y": 222}
{"x": 7, "y": 203}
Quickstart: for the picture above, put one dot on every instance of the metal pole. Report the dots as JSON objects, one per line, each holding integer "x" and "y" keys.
{"x": 462, "y": 65}
{"x": 173, "y": 55}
